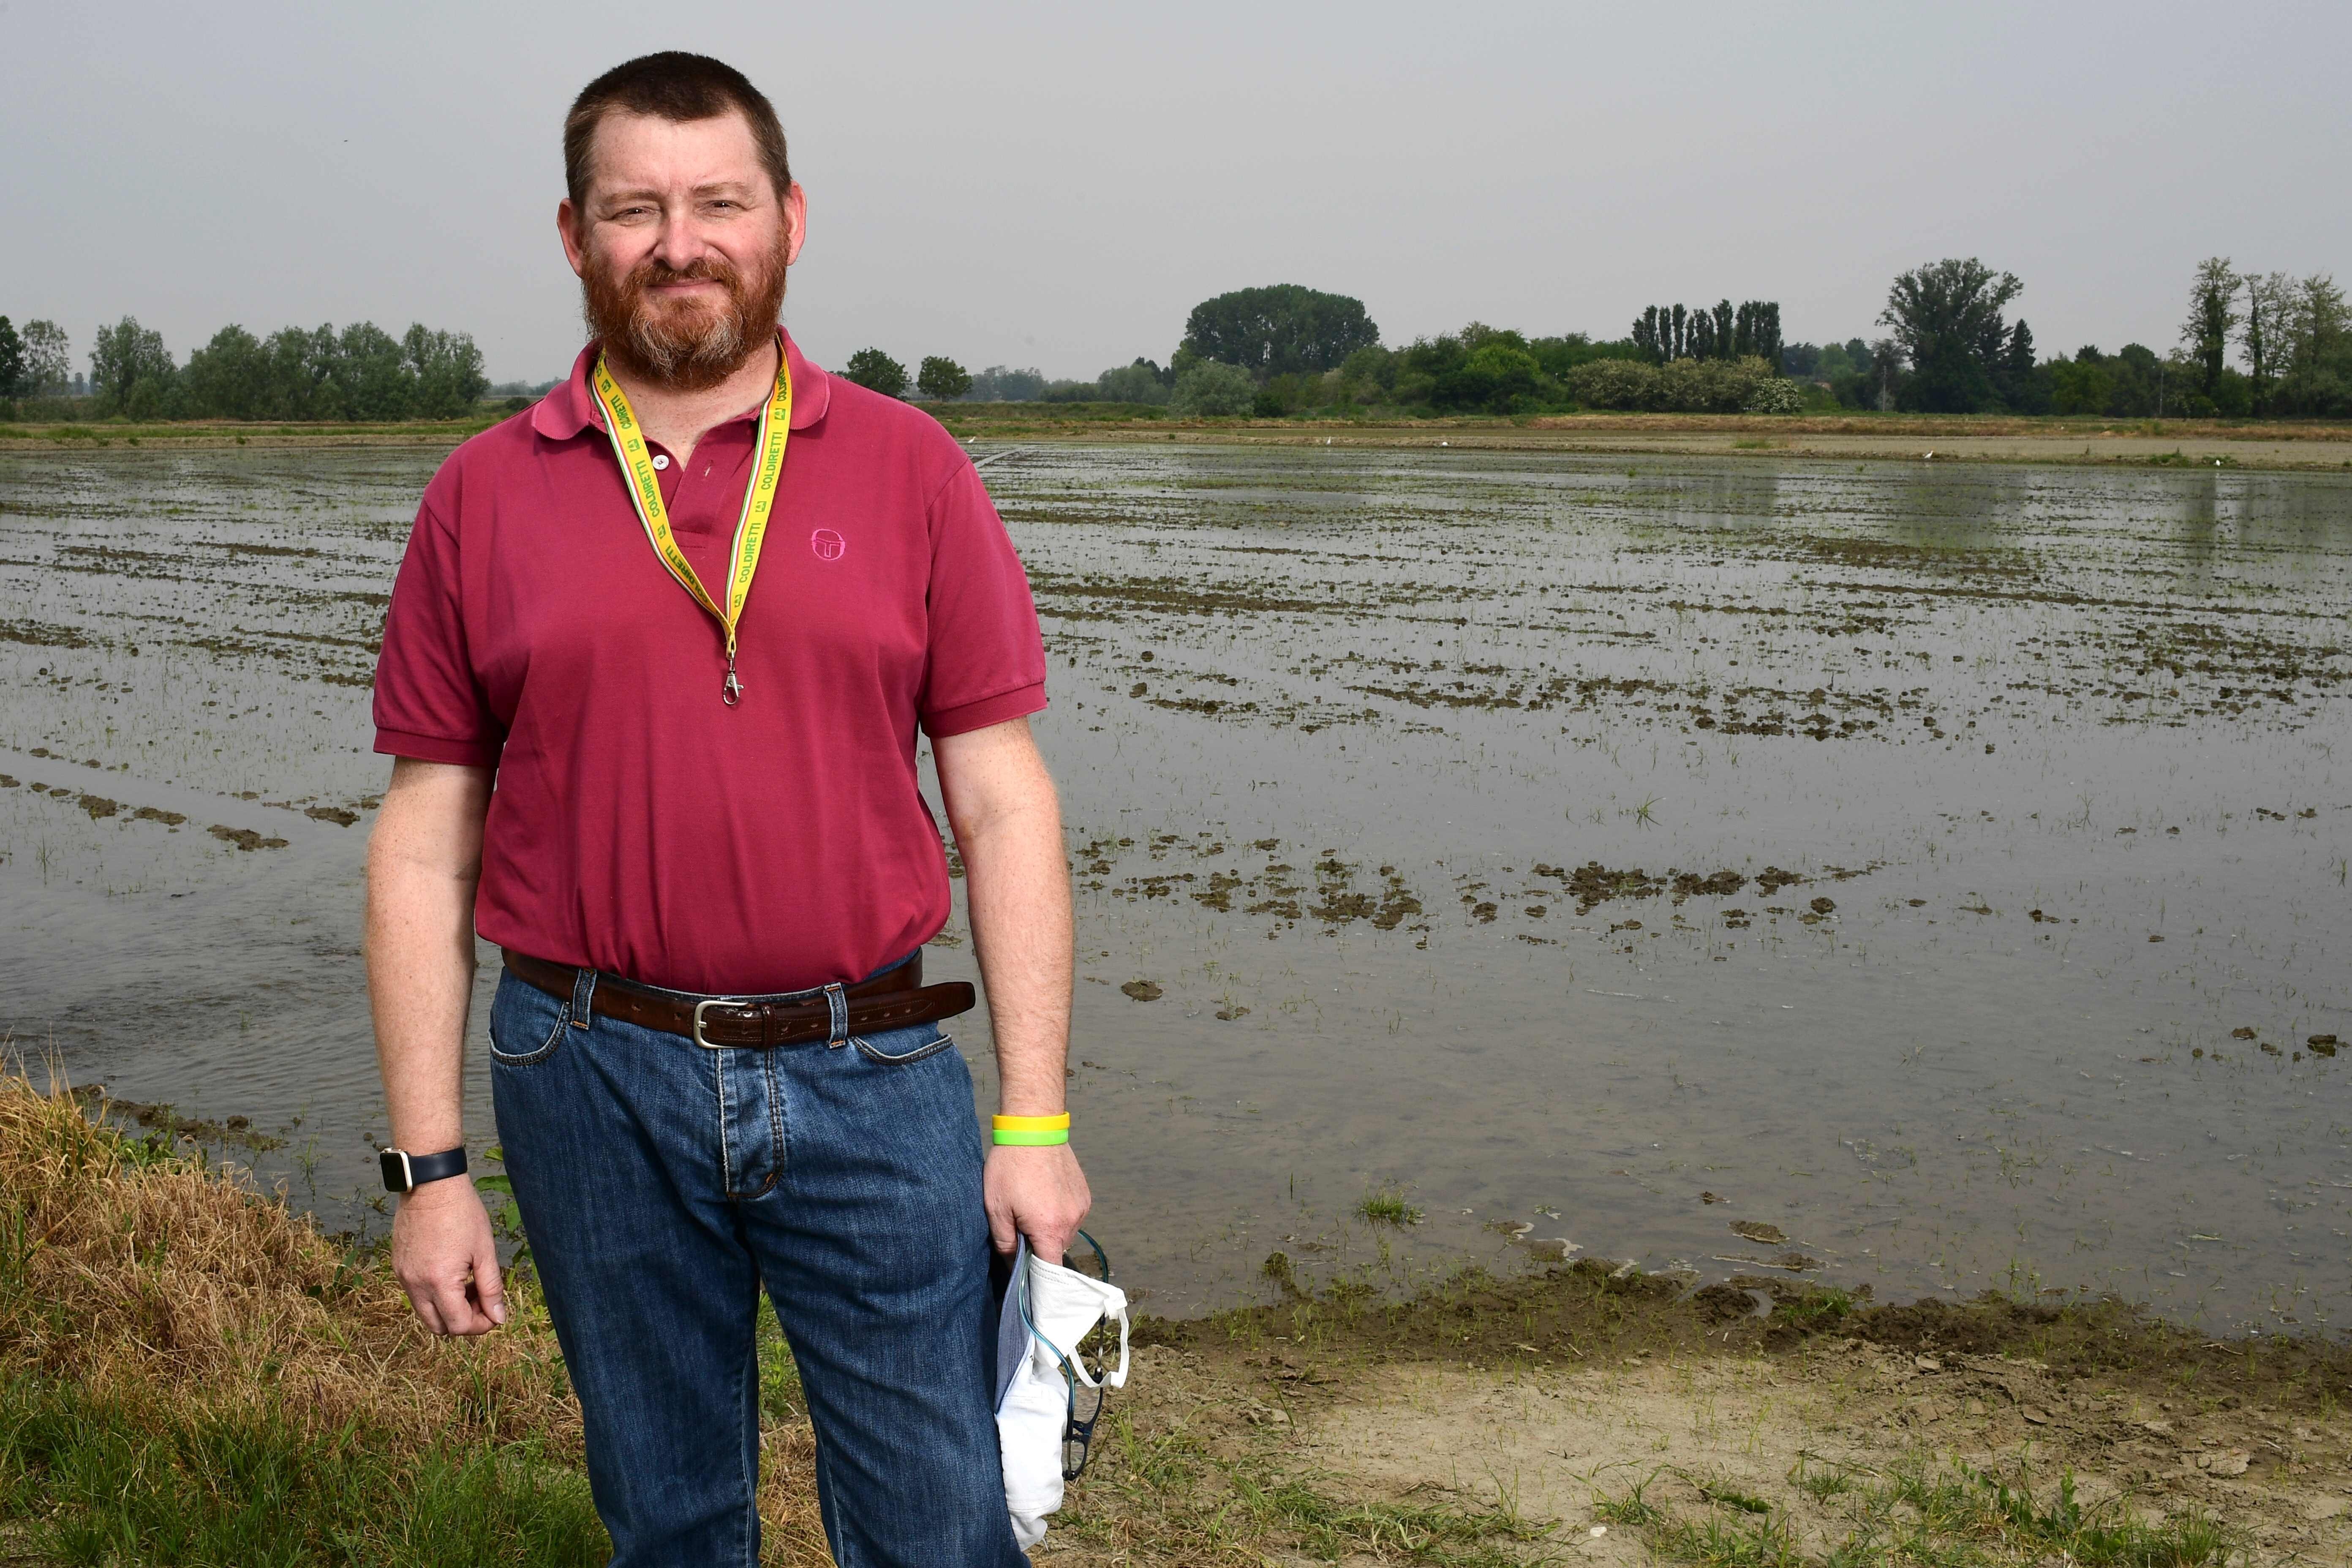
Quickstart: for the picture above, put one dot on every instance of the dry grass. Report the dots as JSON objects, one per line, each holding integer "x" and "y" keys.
{"x": 168, "y": 1297}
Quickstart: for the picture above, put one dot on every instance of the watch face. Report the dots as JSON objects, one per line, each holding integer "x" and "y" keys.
{"x": 395, "y": 1170}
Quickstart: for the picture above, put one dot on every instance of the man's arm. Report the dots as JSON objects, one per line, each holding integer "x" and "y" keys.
{"x": 1008, "y": 827}
{"x": 424, "y": 860}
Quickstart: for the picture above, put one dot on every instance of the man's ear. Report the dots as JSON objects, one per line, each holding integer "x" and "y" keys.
{"x": 572, "y": 230}
{"x": 796, "y": 222}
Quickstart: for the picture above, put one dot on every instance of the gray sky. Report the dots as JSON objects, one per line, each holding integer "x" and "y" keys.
{"x": 1059, "y": 185}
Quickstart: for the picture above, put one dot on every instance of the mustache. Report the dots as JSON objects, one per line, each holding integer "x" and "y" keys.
{"x": 652, "y": 273}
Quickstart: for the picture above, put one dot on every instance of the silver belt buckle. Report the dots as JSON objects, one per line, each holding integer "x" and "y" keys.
{"x": 697, "y": 1030}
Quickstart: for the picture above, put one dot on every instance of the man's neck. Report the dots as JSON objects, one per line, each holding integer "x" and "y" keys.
{"x": 677, "y": 420}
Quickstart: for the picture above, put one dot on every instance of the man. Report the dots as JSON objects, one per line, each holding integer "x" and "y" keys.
{"x": 688, "y": 613}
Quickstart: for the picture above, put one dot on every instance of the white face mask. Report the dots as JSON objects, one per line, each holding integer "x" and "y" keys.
{"x": 1048, "y": 1309}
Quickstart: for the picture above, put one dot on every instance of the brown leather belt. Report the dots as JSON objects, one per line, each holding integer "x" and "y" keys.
{"x": 892, "y": 1000}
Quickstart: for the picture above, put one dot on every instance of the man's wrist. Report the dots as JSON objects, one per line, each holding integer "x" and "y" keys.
{"x": 1018, "y": 1132}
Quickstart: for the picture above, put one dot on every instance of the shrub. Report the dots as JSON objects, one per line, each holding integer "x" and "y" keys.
{"x": 1615, "y": 383}
{"x": 1685, "y": 386}
{"x": 1210, "y": 389}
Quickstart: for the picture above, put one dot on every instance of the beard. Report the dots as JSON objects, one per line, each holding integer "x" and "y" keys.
{"x": 685, "y": 345}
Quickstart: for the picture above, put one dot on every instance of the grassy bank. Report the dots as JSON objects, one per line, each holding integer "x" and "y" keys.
{"x": 191, "y": 1374}
{"x": 2166, "y": 443}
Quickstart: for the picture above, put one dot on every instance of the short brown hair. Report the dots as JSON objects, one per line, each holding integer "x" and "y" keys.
{"x": 674, "y": 86}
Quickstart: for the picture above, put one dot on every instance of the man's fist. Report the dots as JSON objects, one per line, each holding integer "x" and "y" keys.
{"x": 446, "y": 1258}
{"x": 1036, "y": 1191}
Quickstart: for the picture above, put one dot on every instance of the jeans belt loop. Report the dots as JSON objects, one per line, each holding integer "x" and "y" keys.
{"x": 837, "y": 1004}
{"x": 584, "y": 991}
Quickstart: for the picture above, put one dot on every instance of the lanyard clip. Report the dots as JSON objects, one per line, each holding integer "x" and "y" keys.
{"x": 731, "y": 693}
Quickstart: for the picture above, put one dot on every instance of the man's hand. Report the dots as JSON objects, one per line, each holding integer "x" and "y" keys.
{"x": 1036, "y": 1191}
{"x": 444, "y": 1258}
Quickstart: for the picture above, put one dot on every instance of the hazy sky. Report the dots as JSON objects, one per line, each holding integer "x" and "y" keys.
{"x": 1058, "y": 184}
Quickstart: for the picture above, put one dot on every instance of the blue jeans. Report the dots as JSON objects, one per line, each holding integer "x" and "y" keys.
{"x": 662, "y": 1183}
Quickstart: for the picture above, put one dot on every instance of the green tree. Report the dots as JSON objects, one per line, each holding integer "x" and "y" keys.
{"x": 446, "y": 371}
{"x": 131, "y": 370}
{"x": 48, "y": 359}
{"x": 301, "y": 371}
{"x": 1946, "y": 319}
{"x": 1279, "y": 328}
{"x": 1140, "y": 382}
{"x": 13, "y": 381}
{"x": 2316, "y": 369}
{"x": 878, "y": 371}
{"x": 2270, "y": 300}
{"x": 2082, "y": 384}
{"x": 1495, "y": 378}
{"x": 370, "y": 375}
{"x": 229, "y": 378}
{"x": 2017, "y": 380}
{"x": 2212, "y": 317}
{"x": 1211, "y": 388}
{"x": 941, "y": 379}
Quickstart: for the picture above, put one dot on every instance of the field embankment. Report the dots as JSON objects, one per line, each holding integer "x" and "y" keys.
{"x": 1849, "y": 437}
{"x": 191, "y": 1374}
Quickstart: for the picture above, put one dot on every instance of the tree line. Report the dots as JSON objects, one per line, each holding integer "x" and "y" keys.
{"x": 1665, "y": 333}
{"x": 1950, "y": 349}
{"x": 357, "y": 373}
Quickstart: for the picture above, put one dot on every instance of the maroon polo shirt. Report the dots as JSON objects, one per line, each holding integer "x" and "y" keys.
{"x": 639, "y": 824}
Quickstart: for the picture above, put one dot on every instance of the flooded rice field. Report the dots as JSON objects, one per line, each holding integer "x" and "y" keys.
{"x": 1919, "y": 874}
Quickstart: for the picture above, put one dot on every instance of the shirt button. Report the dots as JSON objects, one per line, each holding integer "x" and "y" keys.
{"x": 661, "y": 460}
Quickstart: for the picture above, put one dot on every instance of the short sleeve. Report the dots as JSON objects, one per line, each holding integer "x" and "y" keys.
{"x": 987, "y": 660}
{"x": 428, "y": 704}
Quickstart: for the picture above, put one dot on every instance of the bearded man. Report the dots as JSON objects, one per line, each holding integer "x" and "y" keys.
{"x": 653, "y": 674}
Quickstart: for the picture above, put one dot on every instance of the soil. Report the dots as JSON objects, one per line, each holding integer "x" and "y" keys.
{"x": 1545, "y": 1403}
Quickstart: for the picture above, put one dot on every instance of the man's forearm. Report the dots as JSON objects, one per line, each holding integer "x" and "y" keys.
{"x": 1018, "y": 889}
{"x": 423, "y": 862}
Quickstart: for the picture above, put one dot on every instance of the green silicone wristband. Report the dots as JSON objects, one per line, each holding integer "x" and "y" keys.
{"x": 1011, "y": 1135}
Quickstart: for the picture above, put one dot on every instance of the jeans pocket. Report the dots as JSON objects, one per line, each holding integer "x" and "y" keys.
{"x": 516, "y": 1014}
{"x": 897, "y": 1047}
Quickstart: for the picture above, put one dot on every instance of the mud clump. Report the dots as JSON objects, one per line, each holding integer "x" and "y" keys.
{"x": 244, "y": 837}
{"x": 334, "y": 814}
{"x": 1757, "y": 1231}
{"x": 1143, "y": 990}
{"x": 99, "y": 806}
{"x": 1718, "y": 1304}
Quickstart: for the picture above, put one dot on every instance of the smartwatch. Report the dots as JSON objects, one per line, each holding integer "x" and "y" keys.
{"x": 404, "y": 1171}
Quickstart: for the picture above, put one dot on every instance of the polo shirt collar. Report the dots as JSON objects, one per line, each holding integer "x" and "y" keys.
{"x": 571, "y": 407}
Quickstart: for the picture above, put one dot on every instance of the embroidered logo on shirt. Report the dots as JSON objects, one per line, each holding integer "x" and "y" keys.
{"x": 827, "y": 544}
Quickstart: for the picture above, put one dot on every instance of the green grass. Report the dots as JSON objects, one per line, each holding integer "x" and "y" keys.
{"x": 88, "y": 1482}
{"x": 1386, "y": 1205}
{"x": 1950, "y": 1517}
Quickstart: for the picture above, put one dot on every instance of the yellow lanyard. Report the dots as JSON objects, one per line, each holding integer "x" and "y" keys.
{"x": 758, "y": 500}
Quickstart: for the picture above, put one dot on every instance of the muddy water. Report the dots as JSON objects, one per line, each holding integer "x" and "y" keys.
{"x": 1927, "y": 875}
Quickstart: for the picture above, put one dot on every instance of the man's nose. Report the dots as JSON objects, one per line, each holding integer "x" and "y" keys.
{"x": 677, "y": 246}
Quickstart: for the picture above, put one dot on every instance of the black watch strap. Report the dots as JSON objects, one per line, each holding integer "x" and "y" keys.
{"x": 405, "y": 1172}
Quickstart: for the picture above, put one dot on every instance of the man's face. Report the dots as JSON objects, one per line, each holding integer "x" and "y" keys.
{"x": 682, "y": 248}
